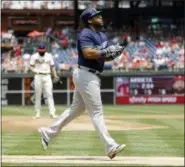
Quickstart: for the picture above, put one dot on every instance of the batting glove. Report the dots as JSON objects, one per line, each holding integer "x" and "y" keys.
{"x": 112, "y": 56}
{"x": 112, "y": 50}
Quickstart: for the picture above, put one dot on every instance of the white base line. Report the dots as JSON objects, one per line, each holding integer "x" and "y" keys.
{"x": 172, "y": 161}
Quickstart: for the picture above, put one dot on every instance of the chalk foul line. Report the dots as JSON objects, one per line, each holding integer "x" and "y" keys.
{"x": 172, "y": 161}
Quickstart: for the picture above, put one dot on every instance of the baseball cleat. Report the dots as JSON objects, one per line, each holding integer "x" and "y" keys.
{"x": 54, "y": 116}
{"x": 37, "y": 116}
{"x": 43, "y": 139}
{"x": 118, "y": 149}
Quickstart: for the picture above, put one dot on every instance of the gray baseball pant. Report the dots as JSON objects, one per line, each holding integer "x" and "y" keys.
{"x": 86, "y": 95}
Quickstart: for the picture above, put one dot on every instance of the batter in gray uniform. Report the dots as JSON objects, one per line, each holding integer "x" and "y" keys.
{"x": 93, "y": 51}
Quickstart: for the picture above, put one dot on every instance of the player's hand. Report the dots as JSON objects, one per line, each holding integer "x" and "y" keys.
{"x": 112, "y": 56}
{"x": 114, "y": 49}
{"x": 56, "y": 80}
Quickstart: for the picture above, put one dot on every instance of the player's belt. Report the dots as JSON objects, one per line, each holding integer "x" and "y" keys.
{"x": 42, "y": 73}
{"x": 89, "y": 70}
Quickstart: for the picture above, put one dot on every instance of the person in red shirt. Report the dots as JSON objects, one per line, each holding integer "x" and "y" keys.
{"x": 18, "y": 50}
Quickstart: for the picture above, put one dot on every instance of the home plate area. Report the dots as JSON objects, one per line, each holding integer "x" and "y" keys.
{"x": 172, "y": 161}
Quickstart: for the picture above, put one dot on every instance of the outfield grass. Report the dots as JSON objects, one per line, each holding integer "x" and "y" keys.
{"x": 154, "y": 142}
{"x": 108, "y": 109}
{"x": 144, "y": 143}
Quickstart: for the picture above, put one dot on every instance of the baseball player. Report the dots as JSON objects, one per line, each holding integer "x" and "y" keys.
{"x": 41, "y": 64}
{"x": 93, "y": 50}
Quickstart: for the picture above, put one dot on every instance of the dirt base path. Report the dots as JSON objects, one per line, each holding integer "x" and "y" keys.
{"x": 171, "y": 161}
{"x": 26, "y": 123}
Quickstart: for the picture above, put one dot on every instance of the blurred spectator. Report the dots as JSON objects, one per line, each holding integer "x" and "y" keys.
{"x": 35, "y": 4}
{"x": 5, "y": 57}
{"x": 66, "y": 4}
{"x": 6, "y": 4}
{"x": 160, "y": 63}
{"x": 10, "y": 64}
{"x": 54, "y": 5}
{"x": 146, "y": 52}
{"x": 180, "y": 63}
{"x": 17, "y": 5}
{"x": 19, "y": 64}
{"x": 122, "y": 62}
{"x": 28, "y": 4}
{"x": 60, "y": 63}
{"x": 8, "y": 39}
{"x": 26, "y": 61}
{"x": 17, "y": 50}
{"x": 148, "y": 65}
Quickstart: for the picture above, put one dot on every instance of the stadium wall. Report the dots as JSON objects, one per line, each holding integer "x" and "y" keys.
{"x": 116, "y": 88}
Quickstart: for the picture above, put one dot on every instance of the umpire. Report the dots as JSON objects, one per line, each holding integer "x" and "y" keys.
{"x": 93, "y": 50}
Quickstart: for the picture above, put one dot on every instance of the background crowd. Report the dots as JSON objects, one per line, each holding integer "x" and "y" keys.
{"x": 57, "y": 4}
{"x": 150, "y": 49}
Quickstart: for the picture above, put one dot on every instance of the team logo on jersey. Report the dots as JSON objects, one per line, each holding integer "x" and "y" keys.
{"x": 40, "y": 61}
{"x": 103, "y": 45}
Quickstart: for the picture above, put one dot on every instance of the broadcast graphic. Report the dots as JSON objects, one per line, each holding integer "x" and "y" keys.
{"x": 150, "y": 90}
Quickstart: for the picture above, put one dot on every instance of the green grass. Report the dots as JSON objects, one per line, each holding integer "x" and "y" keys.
{"x": 108, "y": 109}
{"x": 154, "y": 142}
{"x": 139, "y": 143}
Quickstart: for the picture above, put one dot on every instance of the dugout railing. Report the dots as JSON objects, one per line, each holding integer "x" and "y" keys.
{"x": 18, "y": 88}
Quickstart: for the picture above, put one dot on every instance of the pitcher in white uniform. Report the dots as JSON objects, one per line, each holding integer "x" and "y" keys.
{"x": 41, "y": 64}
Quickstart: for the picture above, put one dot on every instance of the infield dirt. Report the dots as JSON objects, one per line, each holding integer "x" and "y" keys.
{"x": 170, "y": 161}
{"x": 82, "y": 123}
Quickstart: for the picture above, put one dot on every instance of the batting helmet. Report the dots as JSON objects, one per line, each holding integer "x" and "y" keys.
{"x": 42, "y": 47}
{"x": 89, "y": 13}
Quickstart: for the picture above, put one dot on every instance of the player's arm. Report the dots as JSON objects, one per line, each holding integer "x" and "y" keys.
{"x": 109, "y": 53}
{"x": 52, "y": 65}
{"x": 91, "y": 53}
{"x": 89, "y": 49}
{"x": 53, "y": 71}
{"x": 32, "y": 65}
{"x": 87, "y": 45}
{"x": 56, "y": 79}
{"x": 32, "y": 69}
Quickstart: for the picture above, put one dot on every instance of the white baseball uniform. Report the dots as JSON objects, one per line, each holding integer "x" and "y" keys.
{"x": 42, "y": 80}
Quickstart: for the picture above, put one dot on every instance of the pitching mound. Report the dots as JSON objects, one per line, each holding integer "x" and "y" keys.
{"x": 170, "y": 161}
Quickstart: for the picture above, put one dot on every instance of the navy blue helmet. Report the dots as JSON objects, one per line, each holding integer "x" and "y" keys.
{"x": 89, "y": 13}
